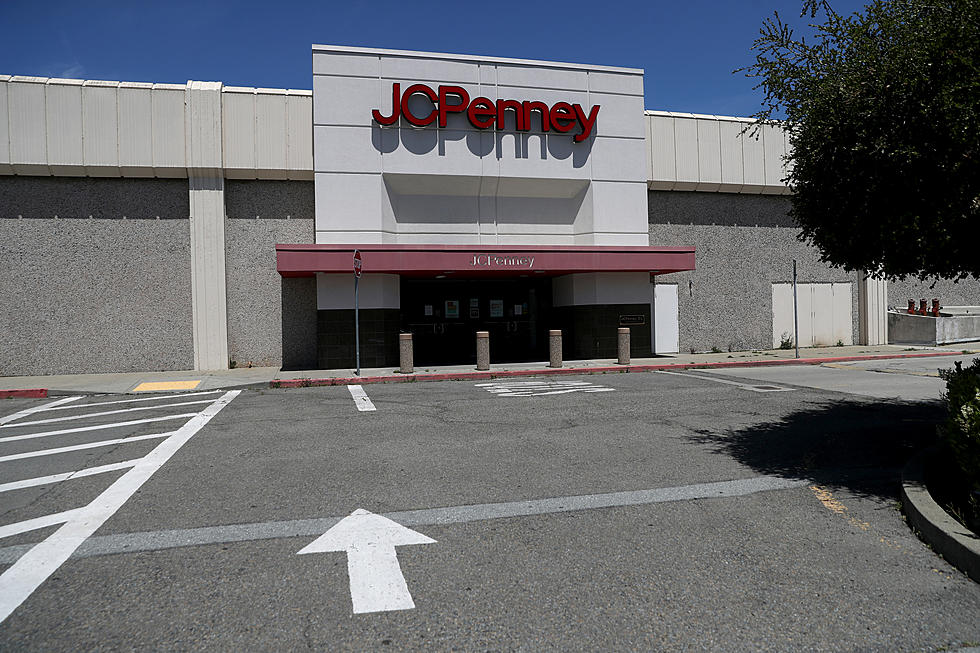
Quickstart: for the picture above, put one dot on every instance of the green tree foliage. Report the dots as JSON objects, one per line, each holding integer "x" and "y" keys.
{"x": 883, "y": 113}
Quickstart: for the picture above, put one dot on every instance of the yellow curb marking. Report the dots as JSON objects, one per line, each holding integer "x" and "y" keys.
{"x": 151, "y": 386}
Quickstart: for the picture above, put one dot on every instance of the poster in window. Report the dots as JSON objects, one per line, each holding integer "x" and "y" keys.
{"x": 496, "y": 308}
{"x": 452, "y": 308}
{"x": 474, "y": 308}
{"x": 428, "y": 310}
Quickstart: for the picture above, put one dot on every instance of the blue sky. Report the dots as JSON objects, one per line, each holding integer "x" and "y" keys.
{"x": 688, "y": 49}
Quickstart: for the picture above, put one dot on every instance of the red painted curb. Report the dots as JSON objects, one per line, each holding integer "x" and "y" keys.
{"x": 36, "y": 393}
{"x": 608, "y": 369}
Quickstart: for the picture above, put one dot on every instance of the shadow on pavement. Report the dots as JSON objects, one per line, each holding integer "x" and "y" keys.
{"x": 858, "y": 445}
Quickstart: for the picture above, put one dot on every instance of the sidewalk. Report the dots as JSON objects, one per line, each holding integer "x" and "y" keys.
{"x": 191, "y": 381}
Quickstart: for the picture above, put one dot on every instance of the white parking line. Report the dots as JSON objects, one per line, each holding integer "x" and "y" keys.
{"x": 34, "y": 567}
{"x": 129, "y": 401}
{"x": 79, "y": 447}
{"x": 37, "y": 409}
{"x": 96, "y": 427}
{"x": 361, "y": 399}
{"x": 105, "y": 412}
{"x": 29, "y": 525}
{"x": 758, "y": 387}
{"x": 65, "y": 476}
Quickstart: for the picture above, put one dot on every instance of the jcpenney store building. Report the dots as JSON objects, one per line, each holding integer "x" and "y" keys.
{"x": 160, "y": 226}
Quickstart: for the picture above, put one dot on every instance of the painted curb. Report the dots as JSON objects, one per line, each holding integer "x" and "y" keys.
{"x": 608, "y": 369}
{"x": 957, "y": 544}
{"x": 34, "y": 393}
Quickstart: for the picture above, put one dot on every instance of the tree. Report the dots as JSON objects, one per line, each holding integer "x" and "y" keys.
{"x": 883, "y": 113}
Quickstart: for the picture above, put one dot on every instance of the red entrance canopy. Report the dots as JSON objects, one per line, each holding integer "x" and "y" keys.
{"x": 478, "y": 260}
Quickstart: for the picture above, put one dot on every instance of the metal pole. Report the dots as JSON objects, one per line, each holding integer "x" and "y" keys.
{"x": 796, "y": 317}
{"x": 357, "y": 328}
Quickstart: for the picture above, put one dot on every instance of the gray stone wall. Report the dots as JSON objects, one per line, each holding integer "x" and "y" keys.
{"x": 949, "y": 293}
{"x": 271, "y": 320}
{"x": 99, "y": 295}
{"x": 743, "y": 244}
{"x": 85, "y": 197}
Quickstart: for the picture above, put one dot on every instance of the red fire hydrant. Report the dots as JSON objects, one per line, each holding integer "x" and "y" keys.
{"x": 911, "y": 307}
{"x": 923, "y": 307}
{"x": 935, "y": 307}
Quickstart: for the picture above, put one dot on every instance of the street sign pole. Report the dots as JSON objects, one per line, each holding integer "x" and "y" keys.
{"x": 796, "y": 316}
{"x": 357, "y": 317}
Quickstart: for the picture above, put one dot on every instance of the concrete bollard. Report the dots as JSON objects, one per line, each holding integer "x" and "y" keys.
{"x": 554, "y": 342}
{"x": 483, "y": 350}
{"x": 624, "y": 346}
{"x": 406, "y": 353}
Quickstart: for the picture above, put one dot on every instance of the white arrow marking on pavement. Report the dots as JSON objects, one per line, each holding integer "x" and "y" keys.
{"x": 376, "y": 580}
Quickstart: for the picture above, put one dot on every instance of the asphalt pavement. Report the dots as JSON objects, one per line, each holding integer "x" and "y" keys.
{"x": 751, "y": 509}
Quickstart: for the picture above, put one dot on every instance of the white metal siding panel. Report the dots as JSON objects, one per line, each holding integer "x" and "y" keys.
{"x": 100, "y": 129}
{"x": 843, "y": 331}
{"x": 63, "y": 112}
{"x": 167, "y": 107}
{"x": 662, "y": 156}
{"x": 732, "y": 176}
{"x": 787, "y": 164}
{"x": 686, "y": 153}
{"x": 135, "y": 129}
{"x": 782, "y": 312}
{"x": 774, "y": 146}
{"x": 270, "y": 141}
{"x": 203, "y": 125}
{"x": 822, "y": 314}
{"x": 824, "y": 311}
{"x": 753, "y": 162}
{"x": 709, "y": 155}
{"x": 239, "y": 127}
{"x": 299, "y": 136}
{"x": 5, "y": 168}
{"x": 28, "y": 151}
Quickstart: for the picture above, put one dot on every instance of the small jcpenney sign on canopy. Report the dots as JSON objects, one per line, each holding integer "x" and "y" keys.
{"x": 484, "y": 113}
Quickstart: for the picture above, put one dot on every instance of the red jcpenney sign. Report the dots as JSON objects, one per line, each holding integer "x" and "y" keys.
{"x": 484, "y": 113}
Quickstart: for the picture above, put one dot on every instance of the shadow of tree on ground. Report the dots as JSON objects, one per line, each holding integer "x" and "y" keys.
{"x": 859, "y": 445}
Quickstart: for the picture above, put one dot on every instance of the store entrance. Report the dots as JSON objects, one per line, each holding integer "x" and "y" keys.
{"x": 444, "y": 315}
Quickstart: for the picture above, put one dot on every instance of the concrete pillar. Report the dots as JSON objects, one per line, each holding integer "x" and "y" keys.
{"x": 554, "y": 343}
{"x": 483, "y": 350}
{"x": 872, "y": 311}
{"x": 406, "y": 354}
{"x": 206, "y": 189}
{"x": 624, "y": 345}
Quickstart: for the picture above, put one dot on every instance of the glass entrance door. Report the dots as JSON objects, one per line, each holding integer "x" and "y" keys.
{"x": 444, "y": 315}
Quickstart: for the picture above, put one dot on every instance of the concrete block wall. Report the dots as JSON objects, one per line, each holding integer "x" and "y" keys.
{"x": 745, "y": 243}
{"x": 265, "y": 311}
{"x": 111, "y": 292}
{"x": 949, "y": 293}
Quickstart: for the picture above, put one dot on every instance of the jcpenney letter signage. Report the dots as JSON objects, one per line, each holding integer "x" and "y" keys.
{"x": 484, "y": 113}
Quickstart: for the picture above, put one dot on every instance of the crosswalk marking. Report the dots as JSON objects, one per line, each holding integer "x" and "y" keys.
{"x": 79, "y": 447}
{"x": 104, "y": 413}
{"x": 31, "y": 569}
{"x": 94, "y": 427}
{"x": 37, "y": 409}
{"x": 65, "y": 476}
{"x": 132, "y": 401}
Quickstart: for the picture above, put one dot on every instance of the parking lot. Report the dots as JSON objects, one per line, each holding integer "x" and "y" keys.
{"x": 745, "y": 510}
